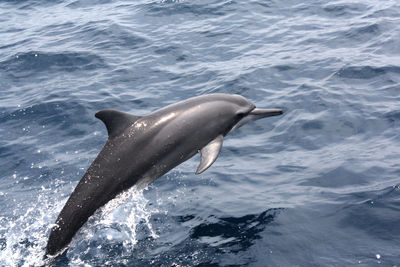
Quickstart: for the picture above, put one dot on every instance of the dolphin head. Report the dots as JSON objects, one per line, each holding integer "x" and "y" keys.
{"x": 230, "y": 112}
{"x": 247, "y": 112}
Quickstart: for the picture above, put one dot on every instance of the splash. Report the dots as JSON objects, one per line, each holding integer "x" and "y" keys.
{"x": 113, "y": 229}
{"x": 23, "y": 238}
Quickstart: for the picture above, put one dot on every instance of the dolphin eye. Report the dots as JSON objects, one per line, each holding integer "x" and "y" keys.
{"x": 239, "y": 115}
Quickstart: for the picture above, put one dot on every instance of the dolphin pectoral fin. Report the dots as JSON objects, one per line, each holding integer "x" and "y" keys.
{"x": 209, "y": 153}
{"x": 116, "y": 121}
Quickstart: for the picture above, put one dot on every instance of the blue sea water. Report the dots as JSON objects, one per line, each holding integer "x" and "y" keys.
{"x": 317, "y": 186}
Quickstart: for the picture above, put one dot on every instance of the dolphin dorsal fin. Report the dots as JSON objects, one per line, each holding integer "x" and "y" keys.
{"x": 209, "y": 153}
{"x": 116, "y": 121}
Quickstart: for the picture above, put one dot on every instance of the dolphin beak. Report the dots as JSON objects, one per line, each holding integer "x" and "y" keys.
{"x": 259, "y": 113}
{"x": 256, "y": 114}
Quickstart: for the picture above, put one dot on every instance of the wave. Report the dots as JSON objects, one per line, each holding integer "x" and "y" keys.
{"x": 235, "y": 233}
{"x": 366, "y": 72}
{"x": 29, "y": 64}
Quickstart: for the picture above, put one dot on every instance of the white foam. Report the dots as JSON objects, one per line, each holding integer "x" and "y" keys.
{"x": 23, "y": 238}
{"x": 113, "y": 225}
{"x": 25, "y": 235}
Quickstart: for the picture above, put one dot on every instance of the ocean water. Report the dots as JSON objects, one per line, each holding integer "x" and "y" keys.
{"x": 316, "y": 186}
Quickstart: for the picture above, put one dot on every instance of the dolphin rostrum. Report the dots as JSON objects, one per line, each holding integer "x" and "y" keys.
{"x": 140, "y": 149}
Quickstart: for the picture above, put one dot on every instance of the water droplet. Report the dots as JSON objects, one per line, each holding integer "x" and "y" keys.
{"x": 378, "y": 256}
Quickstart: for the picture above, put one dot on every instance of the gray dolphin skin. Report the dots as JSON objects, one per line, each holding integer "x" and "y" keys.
{"x": 140, "y": 149}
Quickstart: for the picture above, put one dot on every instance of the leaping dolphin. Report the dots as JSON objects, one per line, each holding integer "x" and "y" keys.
{"x": 140, "y": 149}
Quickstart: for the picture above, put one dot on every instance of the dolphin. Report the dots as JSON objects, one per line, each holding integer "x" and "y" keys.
{"x": 140, "y": 149}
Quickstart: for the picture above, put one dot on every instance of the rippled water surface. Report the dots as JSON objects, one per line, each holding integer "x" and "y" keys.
{"x": 317, "y": 186}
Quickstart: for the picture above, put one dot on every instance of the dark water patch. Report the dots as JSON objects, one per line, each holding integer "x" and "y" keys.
{"x": 237, "y": 233}
{"x": 173, "y": 51}
{"x": 376, "y": 213}
{"x": 313, "y": 125}
{"x": 181, "y": 58}
{"x": 365, "y": 33}
{"x": 212, "y": 34}
{"x": 48, "y": 113}
{"x": 342, "y": 177}
{"x": 106, "y": 35}
{"x": 32, "y": 4}
{"x": 393, "y": 117}
{"x": 11, "y": 30}
{"x": 366, "y": 72}
{"x": 235, "y": 85}
{"x": 166, "y": 50}
{"x": 33, "y": 63}
{"x": 312, "y": 134}
{"x": 60, "y": 29}
{"x": 283, "y": 67}
{"x": 37, "y": 133}
{"x": 346, "y": 10}
{"x": 169, "y": 8}
{"x": 85, "y": 3}
{"x": 290, "y": 168}
{"x": 13, "y": 160}
{"x": 391, "y": 12}
{"x": 185, "y": 218}
{"x": 264, "y": 6}
{"x": 18, "y": 43}
{"x": 3, "y": 243}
